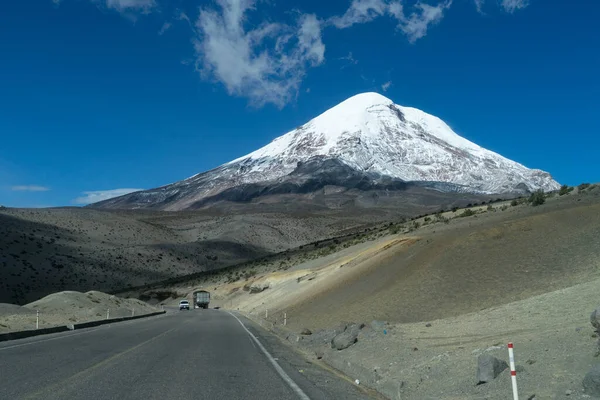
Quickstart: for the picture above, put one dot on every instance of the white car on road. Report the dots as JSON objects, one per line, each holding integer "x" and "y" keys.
{"x": 184, "y": 305}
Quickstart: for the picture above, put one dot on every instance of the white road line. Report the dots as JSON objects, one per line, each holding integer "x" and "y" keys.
{"x": 47, "y": 340}
{"x": 278, "y": 368}
{"x": 83, "y": 330}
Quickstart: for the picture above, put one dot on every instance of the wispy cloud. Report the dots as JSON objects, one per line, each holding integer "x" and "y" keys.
{"x": 265, "y": 64}
{"x": 349, "y": 59}
{"x": 514, "y": 5}
{"x": 99, "y": 195}
{"x": 360, "y": 12}
{"x": 479, "y": 5}
{"x": 386, "y": 86}
{"x": 166, "y": 26}
{"x": 129, "y": 5}
{"x": 29, "y": 188}
{"x": 414, "y": 26}
{"x": 266, "y": 61}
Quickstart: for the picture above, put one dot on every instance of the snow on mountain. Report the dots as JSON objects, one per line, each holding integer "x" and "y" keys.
{"x": 373, "y": 136}
{"x": 370, "y": 133}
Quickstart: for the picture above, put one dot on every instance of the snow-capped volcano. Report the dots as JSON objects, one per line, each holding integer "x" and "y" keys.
{"x": 366, "y": 135}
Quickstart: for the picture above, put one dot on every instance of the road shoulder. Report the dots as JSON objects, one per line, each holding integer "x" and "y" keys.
{"x": 318, "y": 380}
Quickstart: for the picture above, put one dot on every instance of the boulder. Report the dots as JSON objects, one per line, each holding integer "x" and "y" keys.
{"x": 306, "y": 332}
{"x": 591, "y": 382}
{"x": 378, "y": 325}
{"x": 347, "y": 338}
{"x": 488, "y": 368}
{"x": 595, "y": 319}
{"x": 258, "y": 287}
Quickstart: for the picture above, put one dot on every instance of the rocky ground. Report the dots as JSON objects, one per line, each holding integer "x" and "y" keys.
{"x": 435, "y": 295}
{"x": 63, "y": 308}
{"x": 555, "y": 346}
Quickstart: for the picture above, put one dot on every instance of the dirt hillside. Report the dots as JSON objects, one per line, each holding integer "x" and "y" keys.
{"x": 69, "y": 307}
{"x": 43, "y": 251}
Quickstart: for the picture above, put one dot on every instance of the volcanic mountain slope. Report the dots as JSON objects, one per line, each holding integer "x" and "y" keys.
{"x": 43, "y": 251}
{"x": 366, "y": 143}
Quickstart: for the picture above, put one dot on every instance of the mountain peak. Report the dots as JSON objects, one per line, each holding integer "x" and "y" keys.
{"x": 369, "y": 140}
{"x": 364, "y": 100}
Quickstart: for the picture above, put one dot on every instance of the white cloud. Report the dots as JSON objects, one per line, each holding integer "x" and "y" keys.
{"x": 99, "y": 195}
{"x": 265, "y": 64}
{"x": 360, "y": 12}
{"x": 164, "y": 28}
{"x": 130, "y": 5}
{"x": 386, "y": 86}
{"x": 415, "y": 27}
{"x": 514, "y": 5}
{"x": 29, "y": 188}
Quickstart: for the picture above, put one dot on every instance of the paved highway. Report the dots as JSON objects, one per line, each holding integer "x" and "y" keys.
{"x": 196, "y": 354}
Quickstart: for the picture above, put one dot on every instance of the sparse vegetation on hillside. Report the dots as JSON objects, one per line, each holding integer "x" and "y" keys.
{"x": 564, "y": 189}
{"x": 467, "y": 213}
{"x": 537, "y": 198}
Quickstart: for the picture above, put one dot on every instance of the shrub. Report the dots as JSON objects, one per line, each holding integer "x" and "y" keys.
{"x": 564, "y": 189}
{"x": 490, "y": 208}
{"x": 249, "y": 274}
{"x": 583, "y": 186}
{"x": 427, "y": 219}
{"x": 537, "y": 198}
{"x": 454, "y": 209}
{"x": 514, "y": 203}
{"x": 467, "y": 213}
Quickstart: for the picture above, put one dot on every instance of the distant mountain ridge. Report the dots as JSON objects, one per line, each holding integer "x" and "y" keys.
{"x": 364, "y": 143}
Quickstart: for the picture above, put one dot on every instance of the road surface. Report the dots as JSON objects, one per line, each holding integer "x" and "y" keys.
{"x": 196, "y": 354}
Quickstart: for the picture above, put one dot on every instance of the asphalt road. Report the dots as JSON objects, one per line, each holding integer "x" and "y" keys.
{"x": 196, "y": 354}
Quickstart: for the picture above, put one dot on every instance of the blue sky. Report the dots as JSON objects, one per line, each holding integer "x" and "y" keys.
{"x": 103, "y": 95}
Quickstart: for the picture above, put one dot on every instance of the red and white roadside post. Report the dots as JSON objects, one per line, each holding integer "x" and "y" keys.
{"x": 513, "y": 371}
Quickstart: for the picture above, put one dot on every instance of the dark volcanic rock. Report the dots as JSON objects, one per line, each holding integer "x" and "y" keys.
{"x": 591, "y": 382}
{"x": 595, "y": 319}
{"x": 489, "y": 367}
{"x": 346, "y": 338}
